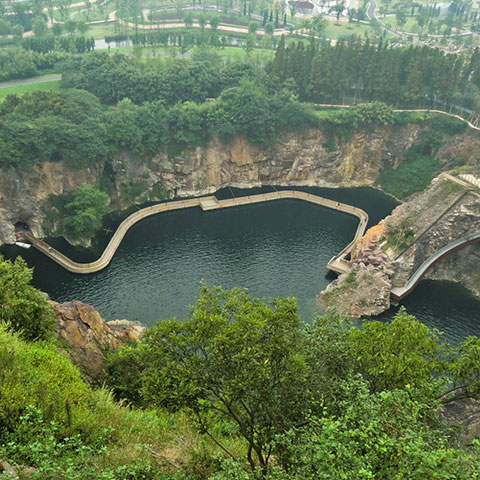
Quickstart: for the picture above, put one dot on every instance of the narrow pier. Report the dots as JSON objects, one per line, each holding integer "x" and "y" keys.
{"x": 338, "y": 263}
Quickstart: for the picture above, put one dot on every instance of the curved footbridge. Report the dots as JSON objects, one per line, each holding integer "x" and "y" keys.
{"x": 338, "y": 263}
{"x": 398, "y": 293}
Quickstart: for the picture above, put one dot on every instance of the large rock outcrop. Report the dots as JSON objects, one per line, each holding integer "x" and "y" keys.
{"x": 87, "y": 337}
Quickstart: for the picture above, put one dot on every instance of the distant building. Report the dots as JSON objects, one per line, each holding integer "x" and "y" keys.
{"x": 304, "y": 8}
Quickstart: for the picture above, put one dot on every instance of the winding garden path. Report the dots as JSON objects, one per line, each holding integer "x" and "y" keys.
{"x": 338, "y": 263}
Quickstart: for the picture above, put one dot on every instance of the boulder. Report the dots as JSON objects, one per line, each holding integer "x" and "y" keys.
{"x": 8, "y": 470}
{"x": 464, "y": 416}
{"x": 88, "y": 337}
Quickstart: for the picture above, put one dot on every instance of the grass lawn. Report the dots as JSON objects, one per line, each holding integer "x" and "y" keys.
{"x": 30, "y": 87}
{"x": 344, "y": 29}
{"x": 102, "y": 30}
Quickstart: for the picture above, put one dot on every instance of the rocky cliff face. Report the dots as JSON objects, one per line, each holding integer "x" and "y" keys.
{"x": 24, "y": 194}
{"x": 393, "y": 250}
{"x": 87, "y": 337}
{"x": 305, "y": 158}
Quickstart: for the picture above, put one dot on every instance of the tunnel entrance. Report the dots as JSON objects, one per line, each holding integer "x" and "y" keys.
{"x": 22, "y": 226}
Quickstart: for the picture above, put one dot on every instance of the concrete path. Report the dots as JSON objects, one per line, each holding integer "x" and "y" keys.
{"x": 337, "y": 263}
{"x": 27, "y": 81}
{"x": 398, "y": 293}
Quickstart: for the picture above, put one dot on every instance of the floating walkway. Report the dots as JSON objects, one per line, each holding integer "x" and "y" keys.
{"x": 399, "y": 293}
{"x": 338, "y": 263}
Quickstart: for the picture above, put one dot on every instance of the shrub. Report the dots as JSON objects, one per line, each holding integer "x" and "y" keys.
{"x": 37, "y": 374}
{"x": 21, "y": 305}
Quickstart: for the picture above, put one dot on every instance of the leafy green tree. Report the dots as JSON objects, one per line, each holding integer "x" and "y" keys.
{"x": 83, "y": 211}
{"x": 250, "y": 43}
{"x": 382, "y": 436}
{"x": 5, "y": 27}
{"x": 82, "y": 27}
{"x": 465, "y": 368}
{"x": 57, "y": 29}
{"x": 400, "y": 19}
{"x": 398, "y": 354}
{"x": 214, "y": 22}
{"x": 319, "y": 24}
{"x": 70, "y": 26}
{"x": 252, "y": 27}
{"x": 39, "y": 26}
{"x": 21, "y": 305}
{"x": 188, "y": 20}
{"x": 234, "y": 358}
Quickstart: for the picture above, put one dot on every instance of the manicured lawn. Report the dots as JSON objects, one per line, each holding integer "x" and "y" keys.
{"x": 345, "y": 29}
{"x": 102, "y": 30}
{"x": 30, "y": 87}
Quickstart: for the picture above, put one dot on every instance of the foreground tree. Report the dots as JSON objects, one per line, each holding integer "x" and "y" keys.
{"x": 237, "y": 359}
{"x": 21, "y": 306}
{"x": 82, "y": 211}
{"x": 402, "y": 353}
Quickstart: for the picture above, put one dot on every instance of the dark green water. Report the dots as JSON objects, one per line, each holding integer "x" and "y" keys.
{"x": 272, "y": 249}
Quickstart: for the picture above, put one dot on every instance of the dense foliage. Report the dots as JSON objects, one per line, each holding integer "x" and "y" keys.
{"x": 21, "y": 305}
{"x": 79, "y": 213}
{"x": 240, "y": 382}
{"x": 21, "y": 63}
{"x": 362, "y": 71}
{"x": 72, "y": 125}
{"x": 326, "y": 400}
{"x": 51, "y": 126}
{"x": 113, "y": 78}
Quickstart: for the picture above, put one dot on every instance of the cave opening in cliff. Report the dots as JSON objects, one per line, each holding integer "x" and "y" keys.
{"x": 22, "y": 225}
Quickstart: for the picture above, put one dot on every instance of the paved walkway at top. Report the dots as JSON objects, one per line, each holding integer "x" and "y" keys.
{"x": 27, "y": 81}
{"x": 426, "y": 110}
{"x": 337, "y": 263}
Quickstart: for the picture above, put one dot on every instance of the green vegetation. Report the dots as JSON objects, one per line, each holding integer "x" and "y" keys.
{"x": 411, "y": 77}
{"x": 29, "y": 87}
{"x": 238, "y": 383}
{"x": 412, "y": 175}
{"x": 399, "y": 238}
{"x": 80, "y": 212}
{"x": 51, "y": 126}
{"x": 417, "y": 170}
{"x": 21, "y": 306}
{"x": 300, "y": 393}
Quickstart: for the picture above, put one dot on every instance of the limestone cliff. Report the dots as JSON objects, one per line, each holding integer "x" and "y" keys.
{"x": 392, "y": 251}
{"x": 302, "y": 158}
{"x": 87, "y": 337}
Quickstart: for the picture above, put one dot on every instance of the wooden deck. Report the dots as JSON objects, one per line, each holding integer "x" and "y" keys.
{"x": 338, "y": 263}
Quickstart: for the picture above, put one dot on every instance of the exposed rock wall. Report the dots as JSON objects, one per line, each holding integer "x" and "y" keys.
{"x": 391, "y": 252}
{"x": 23, "y": 194}
{"x": 297, "y": 159}
{"x": 87, "y": 337}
